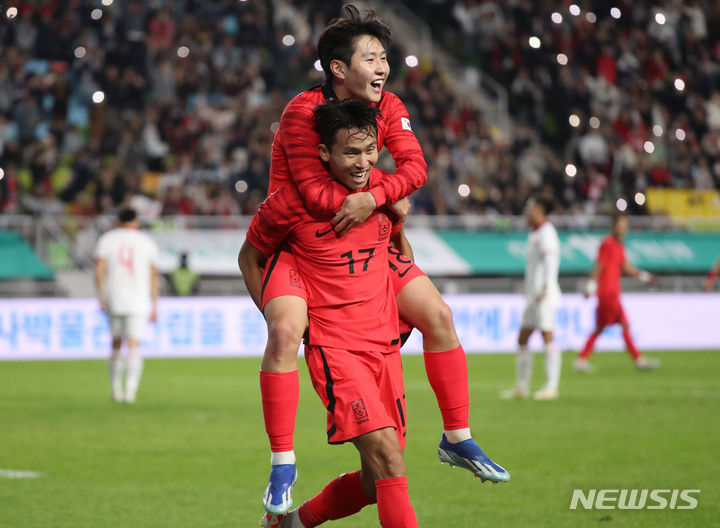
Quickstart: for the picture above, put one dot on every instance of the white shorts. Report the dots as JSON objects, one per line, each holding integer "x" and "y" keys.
{"x": 541, "y": 314}
{"x": 128, "y": 325}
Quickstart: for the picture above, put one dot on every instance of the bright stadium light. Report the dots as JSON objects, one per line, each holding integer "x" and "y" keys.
{"x": 96, "y": 14}
{"x": 570, "y": 170}
{"x": 639, "y": 198}
{"x": 556, "y": 17}
{"x": 590, "y": 17}
{"x": 649, "y": 147}
{"x": 621, "y": 204}
{"x": 574, "y": 10}
{"x": 107, "y": 2}
{"x": 318, "y": 65}
{"x": 79, "y": 52}
{"x": 562, "y": 59}
{"x": 679, "y": 84}
{"x": 574, "y": 121}
{"x": 274, "y": 126}
{"x": 615, "y": 13}
{"x": 2, "y": 173}
{"x": 11, "y": 12}
{"x": 534, "y": 42}
{"x": 411, "y": 61}
{"x": 183, "y": 51}
{"x": 680, "y": 134}
{"x": 660, "y": 18}
{"x": 98, "y": 97}
{"x": 288, "y": 40}
{"x": 657, "y": 130}
{"x": 594, "y": 122}
{"x": 241, "y": 186}
{"x": 464, "y": 190}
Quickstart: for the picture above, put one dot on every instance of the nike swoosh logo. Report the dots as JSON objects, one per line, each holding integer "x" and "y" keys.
{"x": 321, "y": 234}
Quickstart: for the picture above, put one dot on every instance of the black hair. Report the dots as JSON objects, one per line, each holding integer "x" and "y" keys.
{"x": 127, "y": 214}
{"x": 617, "y": 215}
{"x": 337, "y": 40}
{"x": 334, "y": 115}
{"x": 544, "y": 204}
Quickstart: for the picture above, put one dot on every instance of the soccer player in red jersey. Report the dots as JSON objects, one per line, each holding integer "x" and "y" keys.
{"x": 352, "y": 52}
{"x": 605, "y": 280}
{"x": 353, "y": 342}
{"x": 711, "y": 276}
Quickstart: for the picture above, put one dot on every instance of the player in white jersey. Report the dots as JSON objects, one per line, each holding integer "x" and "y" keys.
{"x": 542, "y": 296}
{"x": 127, "y": 287}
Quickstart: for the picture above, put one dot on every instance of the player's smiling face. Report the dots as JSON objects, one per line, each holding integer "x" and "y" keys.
{"x": 352, "y": 157}
{"x": 367, "y": 72}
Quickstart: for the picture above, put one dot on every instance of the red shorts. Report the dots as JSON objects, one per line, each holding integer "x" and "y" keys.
{"x": 281, "y": 277}
{"x": 362, "y": 391}
{"x": 609, "y": 311}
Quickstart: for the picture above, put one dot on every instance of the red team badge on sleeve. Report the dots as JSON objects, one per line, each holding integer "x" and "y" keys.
{"x": 358, "y": 407}
{"x": 295, "y": 279}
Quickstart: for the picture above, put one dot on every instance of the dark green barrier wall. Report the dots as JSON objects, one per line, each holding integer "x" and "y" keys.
{"x": 504, "y": 253}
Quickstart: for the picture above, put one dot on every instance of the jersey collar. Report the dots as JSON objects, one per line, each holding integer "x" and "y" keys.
{"x": 540, "y": 225}
{"x": 327, "y": 91}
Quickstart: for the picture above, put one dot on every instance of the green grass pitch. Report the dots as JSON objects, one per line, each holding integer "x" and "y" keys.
{"x": 192, "y": 451}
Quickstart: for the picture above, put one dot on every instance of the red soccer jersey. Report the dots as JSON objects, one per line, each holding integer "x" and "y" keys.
{"x": 295, "y": 154}
{"x": 612, "y": 258}
{"x": 350, "y": 297}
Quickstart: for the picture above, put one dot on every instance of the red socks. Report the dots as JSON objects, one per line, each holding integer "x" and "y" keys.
{"x": 589, "y": 346}
{"x": 280, "y": 395}
{"x": 340, "y": 498}
{"x": 448, "y": 375}
{"x": 631, "y": 345}
{"x": 634, "y": 352}
{"x": 393, "y": 500}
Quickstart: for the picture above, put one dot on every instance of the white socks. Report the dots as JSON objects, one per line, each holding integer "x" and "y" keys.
{"x": 294, "y": 519}
{"x": 282, "y": 457}
{"x": 553, "y": 365}
{"x": 116, "y": 368}
{"x": 523, "y": 366}
{"x": 455, "y": 436}
{"x": 134, "y": 373}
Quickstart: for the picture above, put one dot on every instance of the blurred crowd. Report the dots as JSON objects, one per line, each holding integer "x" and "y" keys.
{"x": 173, "y": 104}
{"x": 622, "y": 96}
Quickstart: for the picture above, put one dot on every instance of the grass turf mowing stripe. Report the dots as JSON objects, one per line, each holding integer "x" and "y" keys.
{"x": 193, "y": 452}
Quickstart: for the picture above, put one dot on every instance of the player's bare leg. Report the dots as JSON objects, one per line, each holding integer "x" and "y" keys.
{"x": 581, "y": 363}
{"x": 382, "y": 479}
{"x": 286, "y": 318}
{"x": 553, "y": 366}
{"x": 134, "y": 370}
{"x": 421, "y": 305}
{"x": 523, "y": 367}
{"x": 641, "y": 362}
{"x": 116, "y": 369}
{"x": 384, "y": 470}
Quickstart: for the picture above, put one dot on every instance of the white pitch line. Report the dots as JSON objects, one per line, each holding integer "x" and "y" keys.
{"x": 19, "y": 474}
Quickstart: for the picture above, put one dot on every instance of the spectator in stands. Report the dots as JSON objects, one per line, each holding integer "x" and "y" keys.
{"x": 198, "y": 81}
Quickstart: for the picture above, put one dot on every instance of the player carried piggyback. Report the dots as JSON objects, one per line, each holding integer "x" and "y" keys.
{"x": 353, "y": 342}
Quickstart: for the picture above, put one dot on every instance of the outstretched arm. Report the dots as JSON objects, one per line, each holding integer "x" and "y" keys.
{"x": 712, "y": 274}
{"x": 642, "y": 275}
